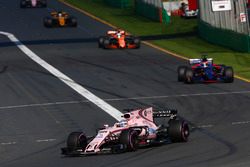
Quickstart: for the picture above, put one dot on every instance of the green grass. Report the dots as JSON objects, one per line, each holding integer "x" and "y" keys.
{"x": 126, "y": 19}
{"x": 191, "y": 47}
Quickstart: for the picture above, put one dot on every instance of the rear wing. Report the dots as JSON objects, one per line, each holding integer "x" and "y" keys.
{"x": 111, "y": 32}
{"x": 114, "y": 32}
{"x": 55, "y": 13}
{"x": 197, "y": 61}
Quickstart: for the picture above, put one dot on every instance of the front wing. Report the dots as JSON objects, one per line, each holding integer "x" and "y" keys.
{"x": 114, "y": 149}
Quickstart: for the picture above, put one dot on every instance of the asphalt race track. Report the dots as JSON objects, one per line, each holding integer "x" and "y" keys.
{"x": 37, "y": 110}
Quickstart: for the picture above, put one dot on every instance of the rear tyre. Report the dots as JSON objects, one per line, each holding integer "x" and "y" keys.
{"x": 181, "y": 73}
{"x": 23, "y": 4}
{"x": 228, "y": 75}
{"x": 178, "y": 131}
{"x": 189, "y": 75}
{"x": 129, "y": 138}
{"x": 76, "y": 140}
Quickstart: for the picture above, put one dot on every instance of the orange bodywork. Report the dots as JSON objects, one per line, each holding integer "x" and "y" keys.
{"x": 61, "y": 17}
{"x": 120, "y": 39}
{"x": 61, "y": 21}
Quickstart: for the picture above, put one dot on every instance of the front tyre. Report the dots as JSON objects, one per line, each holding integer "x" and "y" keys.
{"x": 178, "y": 131}
{"x": 48, "y": 22}
{"x": 129, "y": 138}
{"x": 101, "y": 41}
{"x": 76, "y": 140}
{"x": 73, "y": 22}
{"x": 137, "y": 43}
{"x": 106, "y": 43}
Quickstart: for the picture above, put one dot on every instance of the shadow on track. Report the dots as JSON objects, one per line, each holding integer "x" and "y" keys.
{"x": 52, "y": 41}
{"x": 94, "y": 40}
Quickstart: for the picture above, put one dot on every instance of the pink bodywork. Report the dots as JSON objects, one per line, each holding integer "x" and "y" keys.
{"x": 136, "y": 118}
{"x": 33, "y": 3}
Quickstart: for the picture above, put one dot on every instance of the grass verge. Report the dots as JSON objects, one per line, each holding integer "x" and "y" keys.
{"x": 188, "y": 46}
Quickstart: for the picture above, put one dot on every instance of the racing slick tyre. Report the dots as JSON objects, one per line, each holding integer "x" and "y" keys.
{"x": 23, "y": 4}
{"x": 137, "y": 42}
{"x": 48, "y": 22}
{"x": 44, "y": 4}
{"x": 76, "y": 140}
{"x": 178, "y": 131}
{"x": 73, "y": 22}
{"x": 181, "y": 73}
{"x": 228, "y": 75}
{"x": 129, "y": 138}
{"x": 106, "y": 43}
{"x": 101, "y": 41}
{"x": 189, "y": 75}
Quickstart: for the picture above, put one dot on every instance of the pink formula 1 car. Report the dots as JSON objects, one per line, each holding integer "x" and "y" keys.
{"x": 136, "y": 129}
{"x": 33, "y": 3}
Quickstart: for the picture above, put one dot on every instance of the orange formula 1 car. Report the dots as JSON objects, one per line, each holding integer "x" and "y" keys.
{"x": 118, "y": 39}
{"x": 60, "y": 19}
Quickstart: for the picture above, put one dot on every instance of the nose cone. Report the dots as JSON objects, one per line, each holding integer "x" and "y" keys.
{"x": 92, "y": 147}
{"x": 33, "y": 2}
{"x": 122, "y": 43}
{"x": 61, "y": 21}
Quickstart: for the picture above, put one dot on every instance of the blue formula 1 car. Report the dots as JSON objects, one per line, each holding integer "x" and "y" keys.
{"x": 204, "y": 70}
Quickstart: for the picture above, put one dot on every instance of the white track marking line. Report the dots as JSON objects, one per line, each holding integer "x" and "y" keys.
{"x": 8, "y": 143}
{"x": 68, "y": 81}
{"x": 205, "y": 126}
{"x": 45, "y": 140}
{"x": 121, "y": 99}
{"x": 240, "y": 122}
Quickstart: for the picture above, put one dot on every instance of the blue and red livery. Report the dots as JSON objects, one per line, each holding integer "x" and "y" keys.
{"x": 204, "y": 70}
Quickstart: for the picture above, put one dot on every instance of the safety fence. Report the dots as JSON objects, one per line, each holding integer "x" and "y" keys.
{"x": 231, "y": 18}
{"x": 152, "y": 9}
{"x": 148, "y": 9}
{"x": 225, "y": 24}
{"x": 120, "y": 3}
{"x": 223, "y": 37}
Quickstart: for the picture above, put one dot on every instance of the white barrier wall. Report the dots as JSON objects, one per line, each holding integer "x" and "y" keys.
{"x": 232, "y": 16}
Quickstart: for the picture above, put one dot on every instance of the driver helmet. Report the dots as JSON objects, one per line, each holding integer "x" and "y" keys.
{"x": 123, "y": 123}
{"x": 119, "y": 33}
{"x": 204, "y": 64}
{"x": 60, "y": 14}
